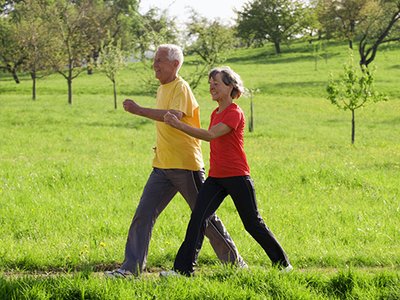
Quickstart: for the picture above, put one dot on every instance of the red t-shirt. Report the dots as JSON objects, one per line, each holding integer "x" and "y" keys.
{"x": 227, "y": 156}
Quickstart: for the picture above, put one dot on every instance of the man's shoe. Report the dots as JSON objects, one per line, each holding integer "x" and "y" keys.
{"x": 170, "y": 273}
{"x": 118, "y": 273}
{"x": 287, "y": 269}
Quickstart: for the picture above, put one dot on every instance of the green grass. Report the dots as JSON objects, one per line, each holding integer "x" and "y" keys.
{"x": 71, "y": 177}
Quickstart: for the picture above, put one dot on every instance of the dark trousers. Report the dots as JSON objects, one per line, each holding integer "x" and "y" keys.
{"x": 210, "y": 197}
{"x": 160, "y": 189}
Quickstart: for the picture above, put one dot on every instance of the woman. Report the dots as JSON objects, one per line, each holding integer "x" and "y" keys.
{"x": 229, "y": 174}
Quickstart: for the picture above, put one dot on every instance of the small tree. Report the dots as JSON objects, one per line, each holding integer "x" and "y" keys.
{"x": 251, "y": 92}
{"x": 352, "y": 91}
{"x": 111, "y": 60}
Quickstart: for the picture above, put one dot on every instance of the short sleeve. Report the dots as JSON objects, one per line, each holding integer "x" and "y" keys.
{"x": 232, "y": 118}
{"x": 184, "y": 100}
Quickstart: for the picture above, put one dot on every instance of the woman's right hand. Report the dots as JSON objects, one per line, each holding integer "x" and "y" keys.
{"x": 171, "y": 120}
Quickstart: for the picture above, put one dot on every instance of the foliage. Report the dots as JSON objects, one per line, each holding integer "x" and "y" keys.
{"x": 210, "y": 41}
{"x": 149, "y": 31}
{"x": 34, "y": 40}
{"x": 371, "y": 23}
{"x": 380, "y": 26}
{"x": 11, "y": 55}
{"x": 276, "y": 21}
{"x": 152, "y": 29}
{"x": 340, "y": 18}
{"x": 352, "y": 92}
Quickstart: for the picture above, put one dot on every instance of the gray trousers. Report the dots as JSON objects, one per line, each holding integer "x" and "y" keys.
{"x": 161, "y": 187}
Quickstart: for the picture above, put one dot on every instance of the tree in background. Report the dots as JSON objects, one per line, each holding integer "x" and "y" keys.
{"x": 34, "y": 40}
{"x": 148, "y": 31}
{"x": 12, "y": 56}
{"x": 369, "y": 22}
{"x": 67, "y": 26}
{"x": 210, "y": 41}
{"x": 352, "y": 91}
{"x": 7, "y": 6}
{"x": 109, "y": 19}
{"x": 340, "y": 18}
{"x": 276, "y": 21}
{"x": 251, "y": 92}
{"x": 111, "y": 60}
{"x": 380, "y": 26}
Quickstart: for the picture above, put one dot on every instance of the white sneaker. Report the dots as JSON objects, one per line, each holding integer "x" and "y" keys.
{"x": 170, "y": 273}
{"x": 118, "y": 273}
{"x": 287, "y": 269}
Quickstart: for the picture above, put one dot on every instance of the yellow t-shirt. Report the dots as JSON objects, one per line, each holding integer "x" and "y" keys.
{"x": 175, "y": 149}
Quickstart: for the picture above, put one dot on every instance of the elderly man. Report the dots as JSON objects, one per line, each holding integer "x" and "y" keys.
{"x": 177, "y": 166}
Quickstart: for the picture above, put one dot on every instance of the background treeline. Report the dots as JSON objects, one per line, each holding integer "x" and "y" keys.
{"x": 71, "y": 36}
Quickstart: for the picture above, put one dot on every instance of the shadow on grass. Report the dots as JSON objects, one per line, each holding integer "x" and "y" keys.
{"x": 128, "y": 125}
{"x": 267, "y": 58}
{"x": 298, "y": 86}
{"x": 391, "y": 122}
{"x": 24, "y": 267}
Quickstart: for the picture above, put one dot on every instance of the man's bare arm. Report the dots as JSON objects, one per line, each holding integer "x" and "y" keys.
{"x": 150, "y": 113}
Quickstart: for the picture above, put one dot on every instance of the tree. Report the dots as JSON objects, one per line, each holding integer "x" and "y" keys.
{"x": 71, "y": 37}
{"x": 111, "y": 60}
{"x": 251, "y": 93}
{"x": 369, "y": 22}
{"x": 271, "y": 20}
{"x": 352, "y": 91}
{"x": 11, "y": 55}
{"x": 152, "y": 29}
{"x": 340, "y": 18}
{"x": 210, "y": 41}
{"x": 109, "y": 19}
{"x": 148, "y": 31}
{"x": 33, "y": 39}
{"x": 7, "y": 6}
{"x": 380, "y": 26}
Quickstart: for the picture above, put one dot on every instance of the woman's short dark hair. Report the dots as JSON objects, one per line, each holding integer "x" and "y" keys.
{"x": 229, "y": 77}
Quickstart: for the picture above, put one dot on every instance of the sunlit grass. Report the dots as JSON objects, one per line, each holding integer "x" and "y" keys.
{"x": 71, "y": 177}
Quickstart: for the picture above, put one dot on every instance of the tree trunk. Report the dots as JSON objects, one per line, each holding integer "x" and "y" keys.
{"x": 13, "y": 72}
{"x": 115, "y": 95}
{"x": 353, "y": 127}
{"x": 351, "y": 44}
{"x": 277, "y": 47}
{"x": 69, "y": 80}
{"x": 251, "y": 124}
{"x": 33, "y": 76}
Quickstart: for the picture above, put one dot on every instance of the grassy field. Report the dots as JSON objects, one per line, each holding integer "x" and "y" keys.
{"x": 71, "y": 177}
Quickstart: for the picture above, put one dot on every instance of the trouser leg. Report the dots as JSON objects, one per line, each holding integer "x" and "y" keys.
{"x": 208, "y": 200}
{"x": 215, "y": 231}
{"x": 242, "y": 192}
{"x": 157, "y": 193}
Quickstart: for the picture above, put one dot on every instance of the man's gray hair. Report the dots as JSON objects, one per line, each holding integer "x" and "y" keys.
{"x": 174, "y": 53}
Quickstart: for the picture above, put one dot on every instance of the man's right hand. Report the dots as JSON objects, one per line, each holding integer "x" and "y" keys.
{"x": 131, "y": 106}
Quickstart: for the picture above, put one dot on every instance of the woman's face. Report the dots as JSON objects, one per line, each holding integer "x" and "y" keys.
{"x": 218, "y": 89}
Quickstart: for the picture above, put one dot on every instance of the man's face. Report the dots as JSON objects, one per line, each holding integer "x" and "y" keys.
{"x": 165, "y": 70}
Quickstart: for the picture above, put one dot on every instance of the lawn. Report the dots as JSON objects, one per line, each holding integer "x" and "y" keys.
{"x": 71, "y": 177}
